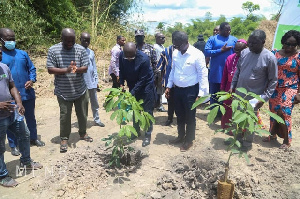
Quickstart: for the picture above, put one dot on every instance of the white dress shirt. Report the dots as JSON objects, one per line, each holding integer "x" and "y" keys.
{"x": 114, "y": 61}
{"x": 188, "y": 69}
{"x": 91, "y": 75}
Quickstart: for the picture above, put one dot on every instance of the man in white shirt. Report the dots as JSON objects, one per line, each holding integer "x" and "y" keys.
{"x": 91, "y": 78}
{"x": 113, "y": 69}
{"x": 188, "y": 71}
{"x": 158, "y": 46}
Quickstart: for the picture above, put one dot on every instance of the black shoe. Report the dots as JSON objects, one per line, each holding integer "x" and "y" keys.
{"x": 146, "y": 141}
{"x": 37, "y": 143}
{"x": 100, "y": 124}
{"x": 177, "y": 140}
{"x": 168, "y": 122}
{"x": 161, "y": 109}
{"x": 15, "y": 151}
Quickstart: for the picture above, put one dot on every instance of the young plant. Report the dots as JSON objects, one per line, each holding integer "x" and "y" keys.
{"x": 244, "y": 120}
{"x": 126, "y": 109}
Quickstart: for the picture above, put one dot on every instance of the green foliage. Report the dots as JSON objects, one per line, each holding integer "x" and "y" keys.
{"x": 250, "y": 7}
{"x": 244, "y": 119}
{"x": 126, "y": 109}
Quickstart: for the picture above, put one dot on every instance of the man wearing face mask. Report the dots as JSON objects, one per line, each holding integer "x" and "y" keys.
{"x": 136, "y": 71}
{"x": 24, "y": 74}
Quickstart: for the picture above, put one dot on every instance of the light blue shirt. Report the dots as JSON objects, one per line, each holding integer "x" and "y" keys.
{"x": 91, "y": 76}
{"x": 188, "y": 69}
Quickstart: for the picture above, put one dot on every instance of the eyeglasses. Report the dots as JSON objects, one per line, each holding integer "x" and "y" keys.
{"x": 129, "y": 58}
{"x": 290, "y": 45}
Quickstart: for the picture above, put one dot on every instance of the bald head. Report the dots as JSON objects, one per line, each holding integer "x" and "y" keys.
{"x": 129, "y": 50}
{"x": 85, "y": 39}
{"x": 68, "y": 38}
{"x": 160, "y": 38}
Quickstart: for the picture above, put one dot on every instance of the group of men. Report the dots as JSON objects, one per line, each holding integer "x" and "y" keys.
{"x": 76, "y": 82}
{"x": 179, "y": 71}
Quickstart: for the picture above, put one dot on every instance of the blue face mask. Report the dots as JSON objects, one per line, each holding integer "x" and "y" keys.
{"x": 9, "y": 45}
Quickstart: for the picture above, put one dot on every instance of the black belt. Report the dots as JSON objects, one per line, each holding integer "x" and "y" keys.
{"x": 184, "y": 87}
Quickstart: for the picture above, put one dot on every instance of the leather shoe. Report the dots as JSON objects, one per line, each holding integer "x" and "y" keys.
{"x": 100, "y": 124}
{"x": 186, "y": 146}
{"x": 37, "y": 143}
{"x": 168, "y": 122}
{"x": 146, "y": 141}
{"x": 15, "y": 151}
{"x": 176, "y": 141}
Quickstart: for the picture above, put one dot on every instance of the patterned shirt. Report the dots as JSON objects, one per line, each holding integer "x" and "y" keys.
{"x": 150, "y": 51}
{"x": 288, "y": 70}
{"x": 69, "y": 86}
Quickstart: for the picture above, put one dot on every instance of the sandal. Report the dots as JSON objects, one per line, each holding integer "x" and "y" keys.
{"x": 86, "y": 138}
{"x": 63, "y": 148}
{"x": 269, "y": 138}
{"x": 285, "y": 146}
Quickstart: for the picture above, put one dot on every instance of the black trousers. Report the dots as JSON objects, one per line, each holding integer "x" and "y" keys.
{"x": 171, "y": 105}
{"x": 184, "y": 98}
{"x": 116, "y": 84}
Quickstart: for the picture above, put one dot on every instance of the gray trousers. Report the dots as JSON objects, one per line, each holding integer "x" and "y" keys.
{"x": 94, "y": 104}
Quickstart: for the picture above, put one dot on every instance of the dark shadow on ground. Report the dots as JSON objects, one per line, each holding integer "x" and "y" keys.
{"x": 73, "y": 139}
{"x": 161, "y": 120}
{"x": 218, "y": 144}
{"x": 89, "y": 124}
{"x": 273, "y": 144}
{"x": 162, "y": 138}
{"x": 15, "y": 171}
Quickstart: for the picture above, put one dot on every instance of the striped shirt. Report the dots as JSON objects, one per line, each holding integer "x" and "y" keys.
{"x": 69, "y": 86}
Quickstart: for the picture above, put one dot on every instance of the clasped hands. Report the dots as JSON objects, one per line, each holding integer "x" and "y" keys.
{"x": 72, "y": 68}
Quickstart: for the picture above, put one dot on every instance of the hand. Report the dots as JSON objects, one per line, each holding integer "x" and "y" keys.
{"x": 297, "y": 99}
{"x": 28, "y": 84}
{"x": 21, "y": 109}
{"x": 123, "y": 88}
{"x": 225, "y": 48}
{"x": 72, "y": 68}
{"x": 230, "y": 91}
{"x": 258, "y": 105}
{"x": 7, "y": 106}
{"x": 118, "y": 80}
{"x": 167, "y": 93}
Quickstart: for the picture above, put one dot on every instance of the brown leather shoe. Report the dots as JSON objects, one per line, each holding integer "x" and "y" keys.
{"x": 186, "y": 146}
{"x": 177, "y": 140}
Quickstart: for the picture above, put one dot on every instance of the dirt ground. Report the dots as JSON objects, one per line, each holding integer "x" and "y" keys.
{"x": 162, "y": 172}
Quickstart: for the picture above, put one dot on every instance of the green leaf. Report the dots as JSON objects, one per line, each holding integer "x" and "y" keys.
{"x": 275, "y": 116}
{"x": 262, "y": 132}
{"x": 240, "y": 117}
{"x": 132, "y": 129}
{"x": 200, "y": 101}
{"x": 234, "y": 105}
{"x": 129, "y": 115}
{"x": 211, "y": 106}
{"x": 222, "y": 110}
{"x": 222, "y": 93}
{"x": 242, "y": 90}
{"x": 256, "y": 96}
{"x": 239, "y": 97}
{"x": 235, "y": 151}
{"x": 212, "y": 115}
{"x": 107, "y": 143}
{"x": 224, "y": 97}
{"x": 238, "y": 144}
{"x": 122, "y": 131}
{"x": 116, "y": 90}
{"x": 109, "y": 105}
{"x": 114, "y": 114}
{"x": 246, "y": 157}
{"x": 251, "y": 124}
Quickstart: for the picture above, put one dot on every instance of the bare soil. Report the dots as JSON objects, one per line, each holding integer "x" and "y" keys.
{"x": 160, "y": 169}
